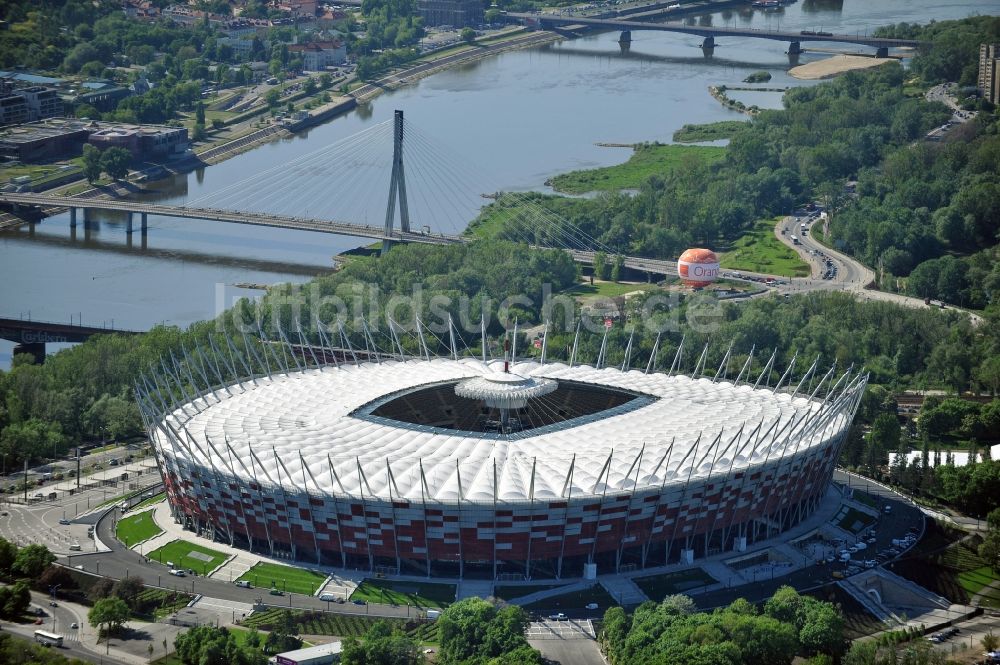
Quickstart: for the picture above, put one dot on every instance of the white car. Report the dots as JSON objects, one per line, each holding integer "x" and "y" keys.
{"x": 591, "y": 606}
{"x": 558, "y": 616}
{"x": 178, "y": 573}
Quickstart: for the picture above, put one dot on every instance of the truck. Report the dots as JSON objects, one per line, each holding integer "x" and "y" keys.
{"x": 48, "y": 639}
{"x": 795, "y": 240}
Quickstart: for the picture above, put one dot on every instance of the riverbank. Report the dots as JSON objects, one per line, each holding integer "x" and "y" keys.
{"x": 838, "y": 64}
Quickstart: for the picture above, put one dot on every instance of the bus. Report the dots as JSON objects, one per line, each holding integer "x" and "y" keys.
{"x": 48, "y": 639}
{"x": 795, "y": 240}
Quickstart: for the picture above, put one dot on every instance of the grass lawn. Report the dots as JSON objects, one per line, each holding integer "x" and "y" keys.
{"x": 973, "y": 581}
{"x": 137, "y": 528}
{"x": 576, "y": 600}
{"x": 419, "y": 594}
{"x": 509, "y": 591}
{"x": 285, "y": 578}
{"x": 760, "y": 251}
{"x": 607, "y": 289}
{"x": 657, "y": 587}
{"x": 712, "y": 131}
{"x": 855, "y": 521}
{"x": 342, "y": 625}
{"x": 646, "y": 160}
{"x": 189, "y": 555}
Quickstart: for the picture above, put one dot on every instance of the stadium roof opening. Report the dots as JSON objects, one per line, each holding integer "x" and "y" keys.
{"x": 571, "y": 403}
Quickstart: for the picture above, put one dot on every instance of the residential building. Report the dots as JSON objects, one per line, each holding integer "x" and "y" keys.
{"x": 457, "y": 13}
{"x": 13, "y": 109}
{"x": 35, "y": 102}
{"x": 317, "y": 56}
{"x": 988, "y": 80}
{"x": 42, "y": 102}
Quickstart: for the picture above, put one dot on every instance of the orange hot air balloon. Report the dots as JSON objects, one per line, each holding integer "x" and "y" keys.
{"x": 698, "y": 267}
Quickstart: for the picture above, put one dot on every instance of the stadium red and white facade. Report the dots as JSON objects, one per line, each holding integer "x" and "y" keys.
{"x": 380, "y": 465}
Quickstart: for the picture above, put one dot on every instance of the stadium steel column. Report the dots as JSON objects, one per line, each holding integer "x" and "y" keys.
{"x": 397, "y": 185}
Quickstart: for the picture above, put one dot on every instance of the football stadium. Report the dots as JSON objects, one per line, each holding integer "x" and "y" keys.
{"x": 459, "y": 466}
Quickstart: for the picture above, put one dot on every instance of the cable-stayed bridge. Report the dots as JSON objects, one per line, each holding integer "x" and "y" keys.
{"x": 431, "y": 199}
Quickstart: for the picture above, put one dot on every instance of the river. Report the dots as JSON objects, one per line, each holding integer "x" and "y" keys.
{"x": 517, "y": 118}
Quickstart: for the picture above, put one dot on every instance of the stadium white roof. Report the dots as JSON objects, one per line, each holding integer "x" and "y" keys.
{"x": 301, "y": 429}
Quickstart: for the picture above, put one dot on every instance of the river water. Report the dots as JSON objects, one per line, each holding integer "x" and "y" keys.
{"x": 515, "y": 120}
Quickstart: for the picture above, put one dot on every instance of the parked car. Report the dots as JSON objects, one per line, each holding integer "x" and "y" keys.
{"x": 591, "y": 606}
{"x": 64, "y": 521}
{"x": 558, "y": 616}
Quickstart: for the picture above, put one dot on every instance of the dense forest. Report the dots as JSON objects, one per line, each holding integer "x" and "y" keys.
{"x": 672, "y": 631}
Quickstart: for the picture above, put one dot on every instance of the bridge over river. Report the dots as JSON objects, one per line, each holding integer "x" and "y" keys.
{"x": 710, "y": 33}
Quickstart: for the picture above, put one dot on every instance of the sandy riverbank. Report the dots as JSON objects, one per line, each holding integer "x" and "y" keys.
{"x": 834, "y": 65}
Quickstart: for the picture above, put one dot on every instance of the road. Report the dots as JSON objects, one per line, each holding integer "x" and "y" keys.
{"x": 849, "y": 274}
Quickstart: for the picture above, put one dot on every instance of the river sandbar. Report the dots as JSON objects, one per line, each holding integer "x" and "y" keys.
{"x": 837, "y": 64}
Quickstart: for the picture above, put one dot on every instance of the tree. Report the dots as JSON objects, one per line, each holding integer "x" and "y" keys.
{"x": 111, "y": 613}
{"x": 468, "y": 35}
{"x": 309, "y": 87}
{"x": 115, "y": 162}
{"x": 128, "y": 590}
{"x": 8, "y": 552}
{"x": 15, "y": 600}
{"x": 600, "y": 266}
{"x": 199, "y": 113}
{"x": 381, "y": 645}
{"x": 272, "y": 97}
{"x": 990, "y": 641}
{"x": 32, "y": 560}
{"x": 91, "y": 163}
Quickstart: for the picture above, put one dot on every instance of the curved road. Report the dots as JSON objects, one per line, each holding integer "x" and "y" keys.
{"x": 849, "y": 274}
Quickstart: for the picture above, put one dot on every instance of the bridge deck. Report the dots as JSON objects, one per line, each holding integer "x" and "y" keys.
{"x": 711, "y": 31}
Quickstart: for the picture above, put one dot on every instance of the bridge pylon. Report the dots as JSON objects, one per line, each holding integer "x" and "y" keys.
{"x": 397, "y": 187}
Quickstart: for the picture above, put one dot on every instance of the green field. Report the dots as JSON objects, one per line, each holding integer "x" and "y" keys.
{"x": 137, "y": 528}
{"x": 284, "y": 578}
{"x": 760, "y": 251}
{"x": 607, "y": 289}
{"x": 189, "y": 555}
{"x": 576, "y": 600}
{"x": 657, "y": 587}
{"x": 976, "y": 580}
{"x": 342, "y": 625}
{"x": 712, "y": 131}
{"x": 418, "y": 594}
{"x": 646, "y": 160}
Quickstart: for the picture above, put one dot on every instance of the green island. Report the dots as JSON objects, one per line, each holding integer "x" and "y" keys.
{"x": 646, "y": 160}
{"x": 203, "y": 560}
{"x": 758, "y": 77}
{"x": 711, "y": 131}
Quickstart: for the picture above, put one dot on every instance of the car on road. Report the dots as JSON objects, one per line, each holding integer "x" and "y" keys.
{"x": 276, "y": 592}
{"x": 178, "y": 573}
{"x": 327, "y": 597}
{"x": 74, "y": 625}
{"x": 591, "y": 606}
{"x": 75, "y": 547}
{"x": 64, "y": 521}
{"x": 53, "y": 603}
{"x": 558, "y": 616}
{"x": 243, "y": 583}
{"x": 360, "y": 602}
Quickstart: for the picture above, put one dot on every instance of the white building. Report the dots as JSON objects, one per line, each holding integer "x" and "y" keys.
{"x": 317, "y": 56}
{"x": 322, "y": 654}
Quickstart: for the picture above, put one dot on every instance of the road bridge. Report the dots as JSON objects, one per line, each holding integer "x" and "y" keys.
{"x": 710, "y": 33}
{"x": 32, "y": 336}
{"x": 50, "y": 203}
